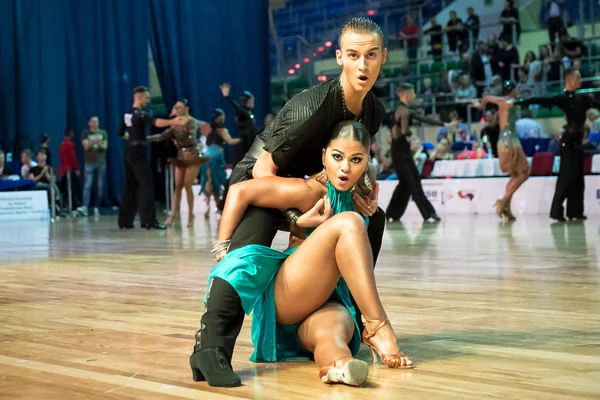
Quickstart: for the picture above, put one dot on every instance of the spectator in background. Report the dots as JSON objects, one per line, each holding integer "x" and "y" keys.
{"x": 409, "y": 33}
{"x": 524, "y": 88}
{"x": 508, "y": 56}
{"x": 587, "y": 146}
{"x": 427, "y": 95}
{"x": 28, "y": 163}
{"x": 435, "y": 33}
{"x": 481, "y": 68}
{"x": 42, "y": 176}
{"x": 491, "y": 130}
{"x": 95, "y": 143}
{"x": 454, "y": 31}
{"x": 466, "y": 63}
{"x": 593, "y": 116}
{"x": 442, "y": 151}
{"x": 538, "y": 89}
{"x": 419, "y": 153}
{"x": 472, "y": 25}
{"x": 555, "y": 21}
{"x": 459, "y": 134}
{"x": 476, "y": 153}
{"x": 493, "y": 48}
{"x": 466, "y": 91}
{"x": 509, "y": 18}
{"x": 527, "y": 127}
{"x": 69, "y": 163}
{"x": 5, "y": 169}
{"x": 585, "y": 74}
{"x": 267, "y": 121}
{"x": 445, "y": 93}
{"x": 45, "y": 144}
{"x": 570, "y": 47}
{"x": 554, "y": 145}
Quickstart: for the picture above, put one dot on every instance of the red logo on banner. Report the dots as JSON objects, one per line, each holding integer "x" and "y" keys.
{"x": 466, "y": 195}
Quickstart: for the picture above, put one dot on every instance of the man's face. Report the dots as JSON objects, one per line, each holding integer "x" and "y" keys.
{"x": 93, "y": 123}
{"x": 1, "y": 158}
{"x": 25, "y": 158}
{"x": 452, "y": 15}
{"x": 361, "y": 56}
{"x": 250, "y": 103}
{"x": 574, "y": 80}
{"x": 470, "y": 11}
{"x": 41, "y": 157}
{"x": 143, "y": 98}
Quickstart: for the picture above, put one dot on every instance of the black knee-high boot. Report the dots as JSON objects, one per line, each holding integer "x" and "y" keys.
{"x": 219, "y": 328}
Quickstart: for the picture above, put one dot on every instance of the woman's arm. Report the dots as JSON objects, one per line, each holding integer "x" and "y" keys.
{"x": 159, "y": 137}
{"x": 224, "y": 133}
{"x": 269, "y": 192}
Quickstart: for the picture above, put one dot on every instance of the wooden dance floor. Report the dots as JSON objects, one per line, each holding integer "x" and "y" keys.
{"x": 485, "y": 310}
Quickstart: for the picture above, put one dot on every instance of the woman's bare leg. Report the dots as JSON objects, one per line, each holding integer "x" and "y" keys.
{"x": 179, "y": 184}
{"x": 340, "y": 246}
{"x": 326, "y": 333}
{"x": 519, "y": 175}
{"x": 191, "y": 173}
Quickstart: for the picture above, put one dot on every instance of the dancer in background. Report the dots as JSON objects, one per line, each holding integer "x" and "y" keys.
{"x": 570, "y": 185}
{"x": 189, "y": 157}
{"x": 138, "y": 191}
{"x": 212, "y": 176}
{"x": 409, "y": 178}
{"x": 245, "y": 120}
{"x": 511, "y": 157}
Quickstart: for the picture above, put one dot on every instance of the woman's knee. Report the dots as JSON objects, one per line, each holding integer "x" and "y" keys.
{"x": 350, "y": 222}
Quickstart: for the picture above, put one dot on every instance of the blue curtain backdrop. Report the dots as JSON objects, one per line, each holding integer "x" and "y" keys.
{"x": 197, "y": 45}
{"x": 62, "y": 61}
{"x": 107, "y": 56}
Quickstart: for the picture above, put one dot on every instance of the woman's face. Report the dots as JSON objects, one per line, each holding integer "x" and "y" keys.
{"x": 220, "y": 119}
{"x": 491, "y": 37}
{"x": 345, "y": 160}
{"x": 465, "y": 80}
{"x": 544, "y": 52}
{"x": 180, "y": 109}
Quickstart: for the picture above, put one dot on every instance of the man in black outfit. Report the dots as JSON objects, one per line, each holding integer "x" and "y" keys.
{"x": 292, "y": 146}
{"x": 555, "y": 21}
{"x": 244, "y": 118}
{"x": 138, "y": 193}
{"x": 409, "y": 179}
{"x": 570, "y": 184}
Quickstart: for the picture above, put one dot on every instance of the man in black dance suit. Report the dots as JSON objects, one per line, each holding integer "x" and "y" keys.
{"x": 244, "y": 118}
{"x": 409, "y": 178}
{"x": 570, "y": 184}
{"x": 138, "y": 192}
{"x": 291, "y": 146}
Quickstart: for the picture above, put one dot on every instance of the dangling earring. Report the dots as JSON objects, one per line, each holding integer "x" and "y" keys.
{"x": 322, "y": 177}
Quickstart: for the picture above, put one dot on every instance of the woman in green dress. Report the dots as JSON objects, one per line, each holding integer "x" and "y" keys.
{"x": 301, "y": 296}
{"x": 510, "y": 153}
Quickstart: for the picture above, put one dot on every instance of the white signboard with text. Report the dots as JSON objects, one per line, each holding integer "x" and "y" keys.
{"x": 22, "y": 206}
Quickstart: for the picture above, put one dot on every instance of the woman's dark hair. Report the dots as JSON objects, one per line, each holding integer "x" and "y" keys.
{"x": 45, "y": 138}
{"x": 352, "y": 130}
{"x": 245, "y": 97}
{"x": 185, "y": 103}
{"x": 531, "y": 56}
{"x": 508, "y": 87}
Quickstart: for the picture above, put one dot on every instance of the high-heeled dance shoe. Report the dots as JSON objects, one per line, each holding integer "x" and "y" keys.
{"x": 508, "y": 213}
{"x": 391, "y": 360}
{"x": 191, "y": 219}
{"x": 352, "y": 373}
{"x": 499, "y": 204}
{"x": 170, "y": 219}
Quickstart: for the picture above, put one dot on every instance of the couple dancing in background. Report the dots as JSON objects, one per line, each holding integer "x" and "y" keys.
{"x": 190, "y": 158}
{"x": 329, "y": 126}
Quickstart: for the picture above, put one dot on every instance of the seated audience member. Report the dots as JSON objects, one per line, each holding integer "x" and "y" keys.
{"x": 419, "y": 153}
{"x": 524, "y": 87}
{"x": 461, "y": 134}
{"x": 442, "y": 151}
{"x": 587, "y": 146}
{"x": 527, "y": 127}
{"x": 42, "y": 175}
{"x": 476, "y": 153}
{"x": 5, "y": 169}
{"x": 554, "y": 145}
{"x": 593, "y": 116}
{"x": 28, "y": 163}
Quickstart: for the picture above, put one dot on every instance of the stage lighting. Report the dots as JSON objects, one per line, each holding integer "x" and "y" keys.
{"x": 371, "y": 12}
{"x": 306, "y": 60}
{"x": 297, "y": 66}
{"x": 291, "y": 71}
{"x": 314, "y": 54}
{"x": 320, "y": 49}
{"x": 328, "y": 43}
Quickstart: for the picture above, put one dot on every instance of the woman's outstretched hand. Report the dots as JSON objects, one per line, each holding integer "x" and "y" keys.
{"x": 313, "y": 217}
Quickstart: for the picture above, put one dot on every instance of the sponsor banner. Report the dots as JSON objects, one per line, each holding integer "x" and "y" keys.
{"x": 22, "y": 206}
{"x": 474, "y": 196}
